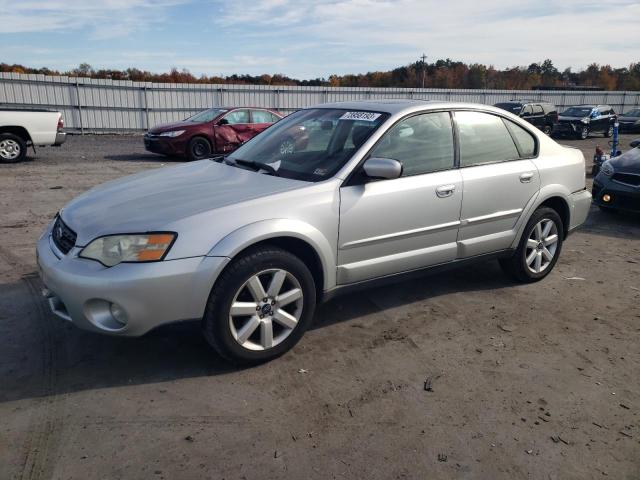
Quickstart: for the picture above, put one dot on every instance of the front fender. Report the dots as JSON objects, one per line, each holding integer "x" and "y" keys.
{"x": 253, "y": 233}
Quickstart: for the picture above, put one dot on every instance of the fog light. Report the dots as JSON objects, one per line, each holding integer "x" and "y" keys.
{"x": 606, "y": 198}
{"x": 118, "y": 313}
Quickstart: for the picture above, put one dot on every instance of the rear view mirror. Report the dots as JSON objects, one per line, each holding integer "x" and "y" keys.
{"x": 382, "y": 168}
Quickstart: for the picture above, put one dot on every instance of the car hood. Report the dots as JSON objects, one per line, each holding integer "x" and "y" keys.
{"x": 628, "y": 162}
{"x": 151, "y": 201}
{"x": 172, "y": 126}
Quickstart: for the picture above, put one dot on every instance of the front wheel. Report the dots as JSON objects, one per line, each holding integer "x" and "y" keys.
{"x": 609, "y": 132}
{"x": 539, "y": 247}
{"x": 260, "y": 306}
{"x": 198, "y": 148}
{"x": 583, "y": 133}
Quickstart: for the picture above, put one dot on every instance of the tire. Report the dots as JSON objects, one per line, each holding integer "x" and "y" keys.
{"x": 198, "y": 148}
{"x": 547, "y": 129}
{"x": 608, "y": 132}
{"x": 243, "y": 339}
{"x": 518, "y": 266}
{"x": 13, "y": 148}
{"x": 583, "y": 133}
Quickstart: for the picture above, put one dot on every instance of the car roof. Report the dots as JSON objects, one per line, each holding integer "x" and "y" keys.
{"x": 396, "y": 106}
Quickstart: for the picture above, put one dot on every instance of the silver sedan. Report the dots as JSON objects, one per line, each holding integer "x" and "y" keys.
{"x": 329, "y": 199}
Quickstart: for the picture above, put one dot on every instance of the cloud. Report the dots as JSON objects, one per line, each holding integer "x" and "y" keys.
{"x": 104, "y": 19}
{"x": 499, "y": 32}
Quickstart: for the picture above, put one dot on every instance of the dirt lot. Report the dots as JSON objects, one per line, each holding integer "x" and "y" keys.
{"x": 529, "y": 381}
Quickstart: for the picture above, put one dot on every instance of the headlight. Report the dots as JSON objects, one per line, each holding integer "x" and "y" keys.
{"x": 173, "y": 133}
{"x": 607, "y": 168}
{"x": 585, "y": 120}
{"x": 114, "y": 249}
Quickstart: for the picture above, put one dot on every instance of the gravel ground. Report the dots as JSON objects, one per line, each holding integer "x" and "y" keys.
{"x": 528, "y": 381}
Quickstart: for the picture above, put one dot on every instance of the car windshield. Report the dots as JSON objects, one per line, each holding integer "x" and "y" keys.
{"x": 206, "y": 115}
{"x": 577, "y": 112}
{"x": 310, "y": 145}
{"x": 632, "y": 113}
{"x": 510, "y": 107}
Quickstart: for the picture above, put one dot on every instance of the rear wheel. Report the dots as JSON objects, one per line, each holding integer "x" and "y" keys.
{"x": 609, "y": 132}
{"x": 547, "y": 129}
{"x": 260, "y": 306}
{"x": 539, "y": 247}
{"x": 198, "y": 148}
{"x": 13, "y": 149}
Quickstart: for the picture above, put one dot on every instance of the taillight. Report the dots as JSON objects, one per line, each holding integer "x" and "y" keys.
{"x": 60, "y": 123}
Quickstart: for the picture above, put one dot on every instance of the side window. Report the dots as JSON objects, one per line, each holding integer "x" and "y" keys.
{"x": 484, "y": 138}
{"x": 262, "y": 116}
{"x": 237, "y": 116}
{"x": 537, "y": 110}
{"x": 526, "y": 111}
{"x": 422, "y": 143}
{"x": 526, "y": 142}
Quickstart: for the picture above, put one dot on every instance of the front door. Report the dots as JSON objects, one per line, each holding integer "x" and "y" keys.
{"x": 392, "y": 226}
{"x": 499, "y": 179}
{"x": 232, "y": 131}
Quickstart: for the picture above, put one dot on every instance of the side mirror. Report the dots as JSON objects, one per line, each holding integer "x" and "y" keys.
{"x": 382, "y": 168}
{"x": 223, "y": 121}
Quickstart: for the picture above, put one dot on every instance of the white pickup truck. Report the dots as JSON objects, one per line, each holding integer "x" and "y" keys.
{"x": 20, "y": 129}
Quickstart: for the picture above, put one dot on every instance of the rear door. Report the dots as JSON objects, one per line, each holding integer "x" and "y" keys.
{"x": 391, "y": 226}
{"x": 234, "y": 130}
{"x": 499, "y": 180}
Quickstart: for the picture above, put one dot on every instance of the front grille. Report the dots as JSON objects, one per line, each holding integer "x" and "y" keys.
{"x": 63, "y": 237}
{"x": 627, "y": 178}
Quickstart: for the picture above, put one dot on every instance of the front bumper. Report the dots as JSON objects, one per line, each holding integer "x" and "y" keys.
{"x": 150, "y": 294}
{"x": 61, "y": 137}
{"x": 566, "y": 128}
{"x": 622, "y": 197}
{"x": 162, "y": 145}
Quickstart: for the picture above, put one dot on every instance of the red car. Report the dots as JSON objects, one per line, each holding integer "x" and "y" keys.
{"x": 210, "y": 132}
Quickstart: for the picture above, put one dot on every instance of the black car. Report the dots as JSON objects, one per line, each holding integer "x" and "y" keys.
{"x": 630, "y": 121}
{"x": 617, "y": 186}
{"x": 581, "y": 120}
{"x": 543, "y": 115}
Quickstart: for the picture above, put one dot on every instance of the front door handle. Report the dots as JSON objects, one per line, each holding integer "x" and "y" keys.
{"x": 526, "y": 177}
{"x": 445, "y": 190}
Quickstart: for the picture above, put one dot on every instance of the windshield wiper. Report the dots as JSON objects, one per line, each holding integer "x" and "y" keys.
{"x": 217, "y": 158}
{"x": 257, "y": 166}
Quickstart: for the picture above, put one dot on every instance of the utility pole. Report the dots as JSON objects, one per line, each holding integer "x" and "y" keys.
{"x": 424, "y": 68}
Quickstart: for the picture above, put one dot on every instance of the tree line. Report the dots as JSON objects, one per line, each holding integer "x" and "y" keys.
{"x": 439, "y": 74}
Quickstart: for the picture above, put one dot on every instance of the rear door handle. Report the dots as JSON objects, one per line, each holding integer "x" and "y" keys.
{"x": 526, "y": 177}
{"x": 445, "y": 190}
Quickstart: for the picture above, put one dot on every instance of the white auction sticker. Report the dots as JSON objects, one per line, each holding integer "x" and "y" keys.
{"x": 364, "y": 116}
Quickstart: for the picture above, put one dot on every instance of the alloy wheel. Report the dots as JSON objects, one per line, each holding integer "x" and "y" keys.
{"x": 584, "y": 133}
{"x": 542, "y": 245}
{"x": 9, "y": 149}
{"x": 261, "y": 318}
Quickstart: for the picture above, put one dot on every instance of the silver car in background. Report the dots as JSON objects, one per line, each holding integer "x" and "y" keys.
{"x": 363, "y": 191}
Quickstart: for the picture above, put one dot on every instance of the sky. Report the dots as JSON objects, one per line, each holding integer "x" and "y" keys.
{"x": 308, "y": 39}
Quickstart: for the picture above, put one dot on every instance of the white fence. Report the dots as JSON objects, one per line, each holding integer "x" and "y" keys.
{"x": 95, "y": 105}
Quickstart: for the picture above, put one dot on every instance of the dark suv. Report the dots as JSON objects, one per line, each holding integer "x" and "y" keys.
{"x": 543, "y": 115}
{"x": 581, "y": 120}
